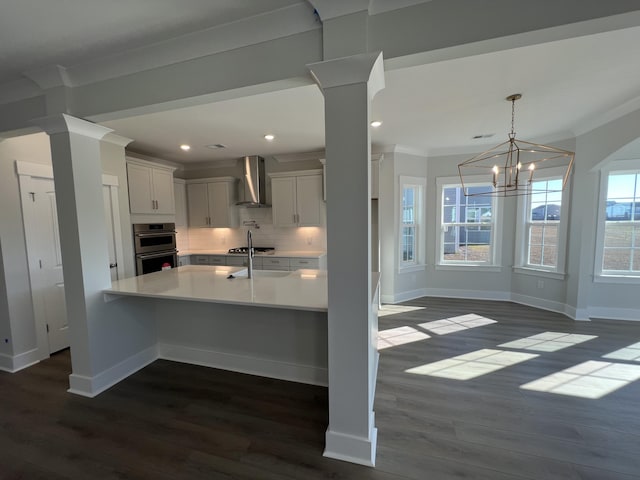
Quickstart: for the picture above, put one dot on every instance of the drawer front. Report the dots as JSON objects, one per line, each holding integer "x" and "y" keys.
{"x": 283, "y": 269}
{"x": 200, "y": 259}
{"x": 272, "y": 263}
{"x": 184, "y": 260}
{"x": 217, "y": 260}
{"x": 298, "y": 263}
{"x": 241, "y": 261}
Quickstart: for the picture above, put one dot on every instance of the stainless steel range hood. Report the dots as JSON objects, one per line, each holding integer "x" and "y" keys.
{"x": 253, "y": 193}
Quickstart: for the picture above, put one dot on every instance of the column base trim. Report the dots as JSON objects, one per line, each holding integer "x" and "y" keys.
{"x": 349, "y": 448}
{"x": 93, "y": 386}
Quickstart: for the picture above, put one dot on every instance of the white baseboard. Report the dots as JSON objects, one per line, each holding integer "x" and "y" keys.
{"x": 470, "y": 294}
{"x": 403, "y": 296}
{"x": 15, "y": 363}
{"x": 541, "y": 303}
{"x": 92, "y": 386}
{"x": 349, "y": 448}
{"x": 245, "y": 364}
{"x": 629, "y": 314}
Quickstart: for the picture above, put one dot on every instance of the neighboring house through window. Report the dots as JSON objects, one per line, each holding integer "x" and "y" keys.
{"x": 467, "y": 218}
{"x": 619, "y": 223}
{"x": 542, "y": 224}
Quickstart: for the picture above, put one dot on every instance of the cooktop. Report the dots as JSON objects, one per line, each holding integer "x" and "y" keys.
{"x": 255, "y": 249}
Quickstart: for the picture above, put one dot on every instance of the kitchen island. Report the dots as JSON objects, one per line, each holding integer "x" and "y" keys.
{"x": 273, "y": 325}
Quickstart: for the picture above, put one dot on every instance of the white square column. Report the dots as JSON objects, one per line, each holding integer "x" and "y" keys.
{"x": 75, "y": 151}
{"x": 348, "y": 85}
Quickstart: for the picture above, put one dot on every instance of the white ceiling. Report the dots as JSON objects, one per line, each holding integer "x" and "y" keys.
{"x": 568, "y": 86}
{"x": 35, "y": 33}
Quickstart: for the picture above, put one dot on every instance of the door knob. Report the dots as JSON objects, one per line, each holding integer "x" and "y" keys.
{"x": 113, "y": 265}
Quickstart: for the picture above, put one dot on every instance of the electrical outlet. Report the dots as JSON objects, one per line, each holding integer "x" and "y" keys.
{"x": 309, "y": 240}
{"x": 540, "y": 283}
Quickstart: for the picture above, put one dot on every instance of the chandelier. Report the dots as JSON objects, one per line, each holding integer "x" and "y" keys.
{"x": 512, "y": 166}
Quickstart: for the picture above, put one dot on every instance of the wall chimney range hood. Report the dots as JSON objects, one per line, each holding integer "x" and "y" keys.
{"x": 253, "y": 193}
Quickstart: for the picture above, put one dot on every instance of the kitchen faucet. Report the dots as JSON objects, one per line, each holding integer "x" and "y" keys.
{"x": 249, "y": 254}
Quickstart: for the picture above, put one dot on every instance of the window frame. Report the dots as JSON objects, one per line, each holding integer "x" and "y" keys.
{"x": 494, "y": 263}
{"x": 522, "y": 231}
{"x": 600, "y": 274}
{"x": 419, "y": 245}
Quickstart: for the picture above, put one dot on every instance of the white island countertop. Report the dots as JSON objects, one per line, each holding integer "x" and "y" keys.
{"x": 298, "y": 290}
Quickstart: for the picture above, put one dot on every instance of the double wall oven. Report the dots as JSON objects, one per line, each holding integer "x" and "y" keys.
{"x": 154, "y": 246}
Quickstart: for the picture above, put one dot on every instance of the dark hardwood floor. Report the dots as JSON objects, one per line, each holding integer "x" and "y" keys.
{"x": 176, "y": 421}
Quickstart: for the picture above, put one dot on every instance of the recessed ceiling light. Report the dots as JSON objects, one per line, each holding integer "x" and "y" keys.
{"x": 376, "y": 123}
{"x": 185, "y": 147}
{"x": 269, "y": 137}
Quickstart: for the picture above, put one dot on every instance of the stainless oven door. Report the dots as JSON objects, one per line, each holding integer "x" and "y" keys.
{"x": 148, "y": 242}
{"x": 154, "y": 262}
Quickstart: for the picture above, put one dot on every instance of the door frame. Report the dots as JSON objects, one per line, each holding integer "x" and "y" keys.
{"x": 26, "y": 171}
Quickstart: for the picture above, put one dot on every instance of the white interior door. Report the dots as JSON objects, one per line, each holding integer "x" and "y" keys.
{"x": 43, "y": 246}
{"x": 47, "y": 263}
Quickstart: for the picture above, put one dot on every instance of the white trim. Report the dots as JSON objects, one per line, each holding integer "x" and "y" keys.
{"x": 541, "y": 303}
{"x": 412, "y": 268}
{"x": 535, "y": 272}
{"x": 403, "y": 296}
{"x": 617, "y": 279}
{"x": 150, "y": 164}
{"x": 470, "y": 294}
{"x": 469, "y": 267}
{"x": 244, "y": 364}
{"x": 40, "y": 170}
{"x": 578, "y": 314}
{"x": 618, "y": 166}
{"x": 628, "y": 314}
{"x": 93, "y": 386}
{"x": 496, "y": 226}
{"x": 351, "y": 448}
{"x": 13, "y": 364}
{"x": 297, "y": 173}
{"x": 523, "y": 212}
{"x": 420, "y": 185}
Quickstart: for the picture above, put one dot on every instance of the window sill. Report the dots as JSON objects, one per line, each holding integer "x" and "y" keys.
{"x": 619, "y": 279}
{"x": 412, "y": 268}
{"x": 539, "y": 273}
{"x": 469, "y": 267}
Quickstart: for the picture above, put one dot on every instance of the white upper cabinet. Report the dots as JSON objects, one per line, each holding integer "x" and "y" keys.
{"x": 296, "y": 198}
{"x": 150, "y": 188}
{"x": 211, "y": 202}
{"x": 180, "y": 193}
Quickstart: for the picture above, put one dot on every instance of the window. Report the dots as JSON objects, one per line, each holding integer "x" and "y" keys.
{"x": 411, "y": 222}
{"x": 621, "y": 239}
{"x": 409, "y": 227}
{"x": 467, "y": 224}
{"x": 542, "y": 225}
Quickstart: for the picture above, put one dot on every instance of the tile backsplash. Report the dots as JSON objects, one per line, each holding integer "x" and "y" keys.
{"x": 298, "y": 239}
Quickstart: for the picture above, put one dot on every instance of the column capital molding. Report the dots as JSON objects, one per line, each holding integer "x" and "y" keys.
{"x": 118, "y": 140}
{"x": 362, "y": 68}
{"x": 328, "y": 9}
{"x": 62, "y": 123}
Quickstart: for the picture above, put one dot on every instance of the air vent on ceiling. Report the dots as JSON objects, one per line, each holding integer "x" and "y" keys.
{"x": 216, "y": 146}
{"x": 483, "y": 135}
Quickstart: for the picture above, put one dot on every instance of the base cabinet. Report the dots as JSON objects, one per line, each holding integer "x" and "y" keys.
{"x": 259, "y": 262}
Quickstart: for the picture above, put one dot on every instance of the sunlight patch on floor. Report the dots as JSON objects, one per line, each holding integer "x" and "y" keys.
{"x": 548, "y": 341}
{"x": 592, "y": 379}
{"x": 399, "y": 336}
{"x": 395, "y": 309}
{"x": 631, "y": 353}
{"x": 472, "y": 365}
{"x": 455, "y": 324}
